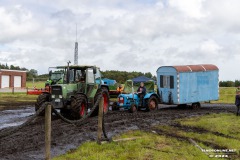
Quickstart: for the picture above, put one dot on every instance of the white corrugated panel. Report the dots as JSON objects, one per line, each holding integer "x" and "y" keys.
{"x": 17, "y": 81}
{"x": 5, "y": 81}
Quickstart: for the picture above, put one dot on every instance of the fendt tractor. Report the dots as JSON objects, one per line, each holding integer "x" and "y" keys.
{"x": 77, "y": 91}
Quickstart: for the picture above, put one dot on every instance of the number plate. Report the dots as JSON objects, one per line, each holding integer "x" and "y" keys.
{"x": 57, "y": 100}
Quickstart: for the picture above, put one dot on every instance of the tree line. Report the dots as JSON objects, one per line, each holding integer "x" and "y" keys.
{"x": 119, "y": 76}
{"x": 235, "y": 83}
{"x": 122, "y": 76}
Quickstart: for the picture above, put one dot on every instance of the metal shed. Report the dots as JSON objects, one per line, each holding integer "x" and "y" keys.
{"x": 188, "y": 84}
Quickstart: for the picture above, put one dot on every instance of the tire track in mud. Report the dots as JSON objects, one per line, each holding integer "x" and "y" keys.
{"x": 28, "y": 142}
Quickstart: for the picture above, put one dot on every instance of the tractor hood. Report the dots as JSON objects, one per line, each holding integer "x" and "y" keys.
{"x": 65, "y": 89}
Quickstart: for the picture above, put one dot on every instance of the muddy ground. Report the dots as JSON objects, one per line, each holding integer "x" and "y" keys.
{"x": 28, "y": 142}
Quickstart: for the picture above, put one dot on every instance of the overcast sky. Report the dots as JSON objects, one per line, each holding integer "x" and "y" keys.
{"x": 126, "y": 35}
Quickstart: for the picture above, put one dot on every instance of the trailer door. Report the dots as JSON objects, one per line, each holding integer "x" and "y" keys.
{"x": 166, "y": 86}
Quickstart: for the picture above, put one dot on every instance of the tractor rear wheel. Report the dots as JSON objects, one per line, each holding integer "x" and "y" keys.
{"x": 152, "y": 103}
{"x": 42, "y": 98}
{"x": 105, "y": 96}
{"x": 78, "y": 107}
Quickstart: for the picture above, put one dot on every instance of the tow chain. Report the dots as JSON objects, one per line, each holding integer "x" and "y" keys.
{"x": 8, "y": 131}
{"x": 80, "y": 121}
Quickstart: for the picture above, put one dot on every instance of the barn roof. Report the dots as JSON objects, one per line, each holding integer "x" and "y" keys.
{"x": 10, "y": 70}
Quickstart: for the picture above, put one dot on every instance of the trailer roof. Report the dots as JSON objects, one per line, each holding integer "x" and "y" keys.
{"x": 196, "y": 68}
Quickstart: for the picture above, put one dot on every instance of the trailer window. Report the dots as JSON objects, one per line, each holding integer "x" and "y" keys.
{"x": 166, "y": 81}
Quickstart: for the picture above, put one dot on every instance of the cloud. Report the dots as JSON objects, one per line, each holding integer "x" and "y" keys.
{"x": 121, "y": 35}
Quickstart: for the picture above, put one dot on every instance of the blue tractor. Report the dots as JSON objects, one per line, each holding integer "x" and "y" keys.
{"x": 130, "y": 100}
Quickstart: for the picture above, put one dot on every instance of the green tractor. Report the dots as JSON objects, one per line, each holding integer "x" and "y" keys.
{"x": 77, "y": 93}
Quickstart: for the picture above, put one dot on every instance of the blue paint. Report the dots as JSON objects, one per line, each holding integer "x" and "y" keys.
{"x": 192, "y": 87}
{"x": 129, "y": 99}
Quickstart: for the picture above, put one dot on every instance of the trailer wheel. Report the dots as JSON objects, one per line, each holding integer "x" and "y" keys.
{"x": 78, "y": 107}
{"x": 196, "y": 105}
{"x": 152, "y": 103}
{"x": 182, "y": 106}
{"x": 42, "y": 98}
{"x": 133, "y": 108}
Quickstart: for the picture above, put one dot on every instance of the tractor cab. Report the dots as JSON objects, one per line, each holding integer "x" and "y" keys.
{"x": 56, "y": 76}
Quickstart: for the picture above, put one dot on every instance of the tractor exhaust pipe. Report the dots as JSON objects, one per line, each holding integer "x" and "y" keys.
{"x": 68, "y": 72}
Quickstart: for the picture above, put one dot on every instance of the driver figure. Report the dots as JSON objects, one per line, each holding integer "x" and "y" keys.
{"x": 141, "y": 91}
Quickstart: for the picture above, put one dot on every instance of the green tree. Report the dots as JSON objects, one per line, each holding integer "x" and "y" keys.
{"x": 148, "y": 74}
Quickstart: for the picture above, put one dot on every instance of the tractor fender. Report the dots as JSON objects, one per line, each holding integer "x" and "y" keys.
{"x": 105, "y": 86}
{"x": 148, "y": 95}
{"x": 80, "y": 93}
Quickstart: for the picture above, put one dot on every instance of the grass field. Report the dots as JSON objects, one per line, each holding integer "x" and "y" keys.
{"x": 16, "y": 98}
{"x": 226, "y": 95}
{"x": 177, "y": 146}
{"x": 39, "y": 84}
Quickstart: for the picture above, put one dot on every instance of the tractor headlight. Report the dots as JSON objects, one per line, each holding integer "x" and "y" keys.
{"x": 127, "y": 97}
{"x": 60, "y": 96}
{"x": 53, "y": 96}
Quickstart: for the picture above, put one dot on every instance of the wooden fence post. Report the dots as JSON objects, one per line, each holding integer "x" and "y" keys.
{"x": 48, "y": 113}
{"x": 100, "y": 120}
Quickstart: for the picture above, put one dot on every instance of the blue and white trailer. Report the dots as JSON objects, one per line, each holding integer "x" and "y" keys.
{"x": 189, "y": 84}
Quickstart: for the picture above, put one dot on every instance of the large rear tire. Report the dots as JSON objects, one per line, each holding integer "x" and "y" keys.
{"x": 106, "y": 98}
{"x": 42, "y": 98}
{"x": 152, "y": 104}
{"x": 78, "y": 107}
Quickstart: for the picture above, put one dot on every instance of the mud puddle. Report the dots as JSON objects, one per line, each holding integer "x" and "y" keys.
{"x": 15, "y": 117}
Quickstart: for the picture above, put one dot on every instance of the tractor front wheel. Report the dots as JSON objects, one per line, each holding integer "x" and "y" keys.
{"x": 42, "y": 98}
{"x": 152, "y": 103}
{"x": 78, "y": 107}
{"x": 133, "y": 108}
